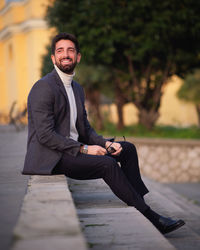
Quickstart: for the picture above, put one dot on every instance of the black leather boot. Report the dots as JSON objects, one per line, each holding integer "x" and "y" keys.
{"x": 167, "y": 225}
{"x": 163, "y": 224}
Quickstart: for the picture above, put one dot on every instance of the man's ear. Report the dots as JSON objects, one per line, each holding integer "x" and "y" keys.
{"x": 78, "y": 57}
{"x": 53, "y": 59}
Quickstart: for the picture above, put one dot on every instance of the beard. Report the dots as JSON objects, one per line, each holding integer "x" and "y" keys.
{"x": 68, "y": 69}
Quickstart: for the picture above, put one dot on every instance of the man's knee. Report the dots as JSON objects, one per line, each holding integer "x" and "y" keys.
{"x": 127, "y": 146}
{"x": 111, "y": 168}
{"x": 110, "y": 163}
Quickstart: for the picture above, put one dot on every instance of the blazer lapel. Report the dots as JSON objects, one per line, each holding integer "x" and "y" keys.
{"x": 76, "y": 96}
{"x": 60, "y": 84}
{"x": 78, "y": 105}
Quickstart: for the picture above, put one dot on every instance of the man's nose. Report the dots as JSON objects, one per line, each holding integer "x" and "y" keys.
{"x": 66, "y": 53}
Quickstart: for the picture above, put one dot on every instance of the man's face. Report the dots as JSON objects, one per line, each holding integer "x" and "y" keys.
{"x": 66, "y": 56}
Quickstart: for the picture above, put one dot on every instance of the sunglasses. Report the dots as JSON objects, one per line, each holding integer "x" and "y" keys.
{"x": 110, "y": 150}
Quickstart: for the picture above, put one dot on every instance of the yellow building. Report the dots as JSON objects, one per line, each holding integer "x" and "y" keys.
{"x": 172, "y": 110}
{"x": 23, "y": 37}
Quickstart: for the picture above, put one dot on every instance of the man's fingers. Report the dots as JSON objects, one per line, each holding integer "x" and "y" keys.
{"x": 102, "y": 151}
{"x": 118, "y": 151}
{"x": 96, "y": 150}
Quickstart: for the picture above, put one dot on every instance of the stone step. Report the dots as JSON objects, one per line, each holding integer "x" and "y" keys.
{"x": 169, "y": 203}
{"x": 48, "y": 219}
{"x": 108, "y": 223}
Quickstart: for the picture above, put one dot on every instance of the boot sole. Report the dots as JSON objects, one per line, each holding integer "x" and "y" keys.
{"x": 174, "y": 227}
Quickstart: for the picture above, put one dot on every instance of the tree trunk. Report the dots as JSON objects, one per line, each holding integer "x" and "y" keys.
{"x": 148, "y": 105}
{"x": 147, "y": 91}
{"x": 120, "y": 101}
{"x": 198, "y": 113}
{"x": 120, "y": 122}
{"x": 93, "y": 97}
{"x": 148, "y": 118}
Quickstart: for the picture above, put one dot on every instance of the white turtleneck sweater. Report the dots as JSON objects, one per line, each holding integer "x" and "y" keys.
{"x": 67, "y": 80}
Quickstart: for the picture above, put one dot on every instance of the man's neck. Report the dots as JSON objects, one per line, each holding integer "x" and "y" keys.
{"x": 66, "y": 78}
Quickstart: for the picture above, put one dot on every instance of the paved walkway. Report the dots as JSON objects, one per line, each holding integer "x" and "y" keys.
{"x": 168, "y": 202}
{"x": 13, "y": 185}
{"x": 190, "y": 191}
{"x": 107, "y": 223}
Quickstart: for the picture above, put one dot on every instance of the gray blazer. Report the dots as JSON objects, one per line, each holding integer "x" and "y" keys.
{"x": 49, "y": 125}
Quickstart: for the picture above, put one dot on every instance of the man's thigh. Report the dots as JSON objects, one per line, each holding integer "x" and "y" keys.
{"x": 83, "y": 166}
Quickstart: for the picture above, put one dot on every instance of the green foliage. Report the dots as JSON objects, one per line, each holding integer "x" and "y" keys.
{"x": 95, "y": 77}
{"x": 190, "y": 90}
{"x": 152, "y": 32}
{"x": 47, "y": 65}
{"x": 140, "y": 42}
{"x": 110, "y": 130}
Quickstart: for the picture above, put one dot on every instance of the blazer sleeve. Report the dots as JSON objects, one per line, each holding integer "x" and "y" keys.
{"x": 41, "y": 109}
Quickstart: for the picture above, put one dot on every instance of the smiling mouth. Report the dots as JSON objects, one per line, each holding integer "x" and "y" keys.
{"x": 66, "y": 61}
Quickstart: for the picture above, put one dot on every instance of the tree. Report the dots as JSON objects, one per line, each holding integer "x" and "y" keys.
{"x": 190, "y": 90}
{"x": 144, "y": 42}
{"x": 94, "y": 80}
{"x": 47, "y": 65}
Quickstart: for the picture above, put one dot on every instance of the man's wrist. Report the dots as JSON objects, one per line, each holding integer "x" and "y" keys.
{"x": 84, "y": 149}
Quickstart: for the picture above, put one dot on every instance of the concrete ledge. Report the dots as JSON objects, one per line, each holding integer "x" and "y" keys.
{"x": 48, "y": 217}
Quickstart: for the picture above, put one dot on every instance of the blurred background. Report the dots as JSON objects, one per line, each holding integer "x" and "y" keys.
{"x": 140, "y": 70}
{"x": 140, "y": 59}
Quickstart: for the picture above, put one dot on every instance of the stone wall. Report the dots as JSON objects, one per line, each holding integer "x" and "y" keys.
{"x": 168, "y": 160}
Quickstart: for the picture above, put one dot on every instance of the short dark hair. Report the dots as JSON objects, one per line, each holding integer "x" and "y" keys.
{"x": 64, "y": 36}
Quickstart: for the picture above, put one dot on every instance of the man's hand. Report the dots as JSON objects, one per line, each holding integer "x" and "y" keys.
{"x": 116, "y": 146}
{"x": 96, "y": 150}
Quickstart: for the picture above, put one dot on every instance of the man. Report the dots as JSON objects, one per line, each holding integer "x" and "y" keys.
{"x": 61, "y": 140}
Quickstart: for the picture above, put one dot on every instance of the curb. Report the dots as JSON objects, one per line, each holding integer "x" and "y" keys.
{"x": 48, "y": 218}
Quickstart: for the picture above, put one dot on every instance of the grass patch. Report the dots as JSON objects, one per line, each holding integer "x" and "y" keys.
{"x": 157, "y": 132}
{"x": 95, "y": 225}
{"x": 91, "y": 245}
{"x": 15, "y": 238}
{"x": 196, "y": 202}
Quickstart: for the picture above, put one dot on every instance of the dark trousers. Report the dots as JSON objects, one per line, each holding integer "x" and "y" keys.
{"x": 124, "y": 181}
